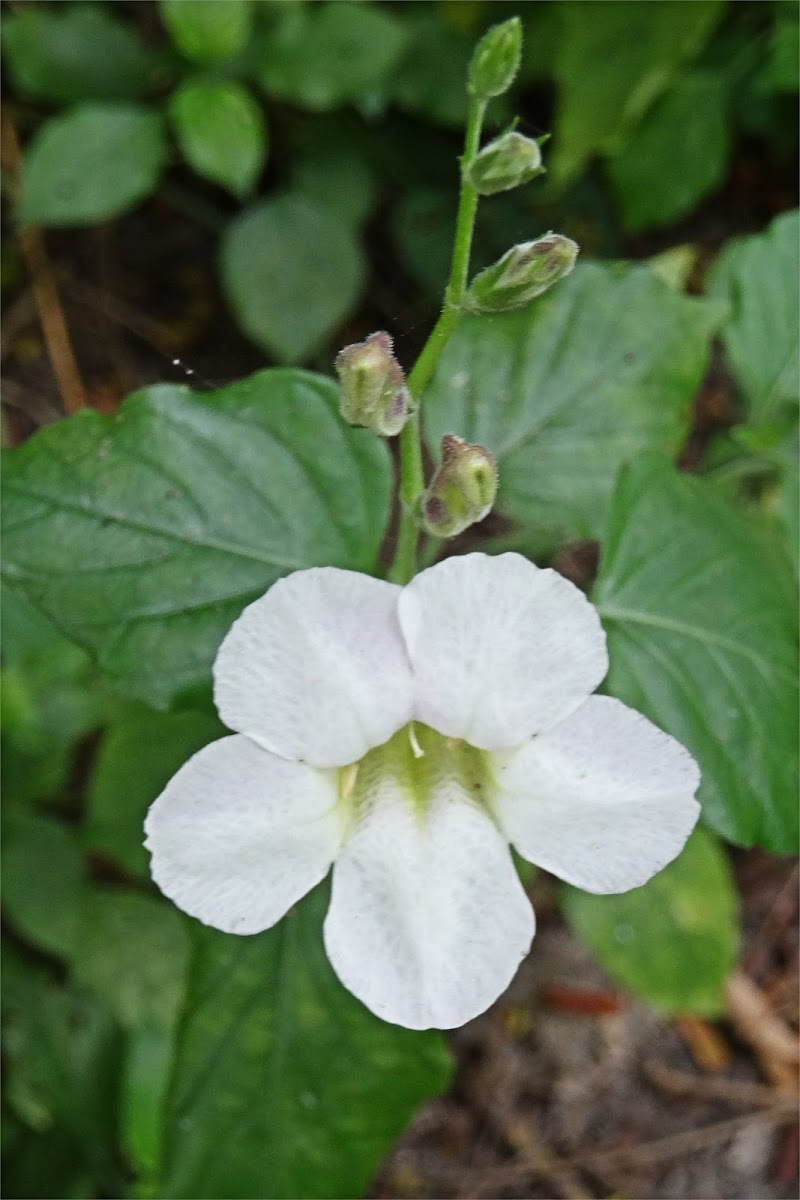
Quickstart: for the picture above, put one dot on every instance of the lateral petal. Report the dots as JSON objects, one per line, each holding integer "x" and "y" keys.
{"x": 239, "y": 835}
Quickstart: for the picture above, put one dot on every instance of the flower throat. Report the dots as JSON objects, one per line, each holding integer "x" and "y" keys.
{"x": 420, "y": 762}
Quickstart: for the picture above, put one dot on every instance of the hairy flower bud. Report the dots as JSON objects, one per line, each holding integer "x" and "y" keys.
{"x": 373, "y": 386}
{"x": 524, "y": 272}
{"x": 495, "y": 61}
{"x": 505, "y": 163}
{"x": 462, "y": 490}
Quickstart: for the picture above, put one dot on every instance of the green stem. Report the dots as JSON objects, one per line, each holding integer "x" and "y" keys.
{"x": 412, "y": 476}
{"x": 467, "y": 207}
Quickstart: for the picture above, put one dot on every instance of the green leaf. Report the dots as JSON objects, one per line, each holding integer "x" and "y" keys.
{"x": 221, "y": 132}
{"x": 137, "y": 757}
{"x": 567, "y": 390}
{"x": 133, "y": 952}
{"x": 782, "y": 73}
{"x": 49, "y": 700}
{"x": 292, "y": 272}
{"x": 43, "y": 883}
{"x": 75, "y": 52}
{"x": 207, "y": 31}
{"x": 284, "y": 1084}
{"x": 91, "y": 163}
{"x": 677, "y": 156}
{"x": 758, "y": 278}
{"x": 323, "y": 56}
{"x": 64, "y": 1054}
{"x": 755, "y": 467}
{"x": 145, "y": 1080}
{"x": 339, "y": 180}
{"x": 674, "y": 267}
{"x": 701, "y": 624}
{"x": 26, "y": 632}
{"x": 674, "y": 941}
{"x": 144, "y": 534}
{"x": 787, "y": 501}
{"x": 613, "y": 60}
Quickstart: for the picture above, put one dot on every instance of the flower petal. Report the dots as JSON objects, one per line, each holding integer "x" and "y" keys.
{"x": 428, "y": 921}
{"x": 239, "y": 835}
{"x": 316, "y": 670}
{"x": 500, "y": 649}
{"x": 604, "y": 800}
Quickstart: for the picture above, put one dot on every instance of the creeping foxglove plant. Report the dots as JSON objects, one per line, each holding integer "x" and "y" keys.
{"x": 406, "y": 736}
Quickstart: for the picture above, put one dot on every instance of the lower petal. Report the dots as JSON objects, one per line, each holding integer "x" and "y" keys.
{"x": 239, "y": 835}
{"x": 604, "y": 800}
{"x": 428, "y": 922}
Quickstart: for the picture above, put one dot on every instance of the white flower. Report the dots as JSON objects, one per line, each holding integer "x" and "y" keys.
{"x": 407, "y": 735}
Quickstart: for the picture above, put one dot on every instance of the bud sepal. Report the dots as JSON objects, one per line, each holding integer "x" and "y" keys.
{"x": 462, "y": 490}
{"x": 509, "y": 161}
{"x": 522, "y": 274}
{"x": 373, "y": 390}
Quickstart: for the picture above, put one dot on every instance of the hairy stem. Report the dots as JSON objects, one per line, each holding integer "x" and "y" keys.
{"x": 412, "y": 478}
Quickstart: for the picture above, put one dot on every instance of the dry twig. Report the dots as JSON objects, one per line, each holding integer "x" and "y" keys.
{"x": 51, "y": 315}
{"x": 700, "y": 1087}
{"x": 752, "y": 1016}
{"x": 650, "y": 1153}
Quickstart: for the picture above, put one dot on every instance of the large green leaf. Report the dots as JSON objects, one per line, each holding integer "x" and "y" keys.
{"x": 758, "y": 278}
{"x": 74, "y": 52}
{"x": 678, "y": 154}
{"x": 292, "y": 272}
{"x": 565, "y": 391}
{"x": 673, "y": 941}
{"x": 139, "y": 754}
{"x": 143, "y": 534}
{"x": 91, "y": 163}
{"x": 701, "y": 623}
{"x": 284, "y": 1084}
{"x": 613, "y": 60}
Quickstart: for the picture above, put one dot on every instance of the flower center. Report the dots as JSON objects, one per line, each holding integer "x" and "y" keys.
{"x": 419, "y": 763}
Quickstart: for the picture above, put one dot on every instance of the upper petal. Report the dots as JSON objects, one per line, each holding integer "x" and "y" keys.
{"x": 239, "y": 835}
{"x": 500, "y": 648}
{"x": 428, "y": 921}
{"x": 604, "y": 800}
{"x": 316, "y": 669}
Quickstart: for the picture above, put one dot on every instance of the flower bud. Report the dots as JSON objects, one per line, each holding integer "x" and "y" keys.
{"x": 505, "y": 163}
{"x": 495, "y": 61}
{"x": 524, "y": 272}
{"x": 373, "y": 386}
{"x": 462, "y": 490}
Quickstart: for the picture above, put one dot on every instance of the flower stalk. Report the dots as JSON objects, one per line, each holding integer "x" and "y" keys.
{"x": 412, "y": 476}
